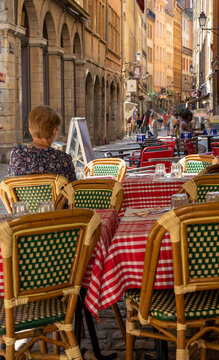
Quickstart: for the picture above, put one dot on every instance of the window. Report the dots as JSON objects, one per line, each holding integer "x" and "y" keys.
{"x": 150, "y": 60}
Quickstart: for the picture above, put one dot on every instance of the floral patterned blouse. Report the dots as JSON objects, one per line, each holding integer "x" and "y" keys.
{"x": 26, "y": 160}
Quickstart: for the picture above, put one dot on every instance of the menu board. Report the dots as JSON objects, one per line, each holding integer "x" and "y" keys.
{"x": 78, "y": 142}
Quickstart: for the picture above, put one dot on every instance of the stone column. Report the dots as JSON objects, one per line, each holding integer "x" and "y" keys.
{"x": 55, "y": 54}
{"x": 89, "y": 106}
{"x": 97, "y": 114}
{"x": 113, "y": 113}
{"x": 79, "y": 88}
{"x": 36, "y": 70}
{"x": 108, "y": 114}
{"x": 10, "y": 87}
{"x": 68, "y": 89}
{"x": 103, "y": 114}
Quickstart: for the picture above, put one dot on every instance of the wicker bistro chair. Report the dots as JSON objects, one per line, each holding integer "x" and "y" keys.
{"x": 47, "y": 254}
{"x": 92, "y": 194}
{"x": 199, "y": 186}
{"x": 107, "y": 166}
{"x": 31, "y": 188}
{"x": 196, "y": 163}
{"x": 193, "y": 303}
{"x": 95, "y": 194}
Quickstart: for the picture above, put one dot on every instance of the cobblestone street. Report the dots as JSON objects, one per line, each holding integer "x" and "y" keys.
{"x": 108, "y": 333}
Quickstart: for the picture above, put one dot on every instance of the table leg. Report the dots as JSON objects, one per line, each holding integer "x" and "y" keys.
{"x": 119, "y": 320}
{"x": 92, "y": 331}
{"x": 161, "y": 347}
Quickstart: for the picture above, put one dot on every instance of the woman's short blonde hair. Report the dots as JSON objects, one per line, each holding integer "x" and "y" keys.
{"x": 42, "y": 121}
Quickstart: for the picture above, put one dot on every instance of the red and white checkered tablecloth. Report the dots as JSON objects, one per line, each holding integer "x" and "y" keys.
{"x": 93, "y": 276}
{"x": 143, "y": 192}
{"x": 123, "y": 265}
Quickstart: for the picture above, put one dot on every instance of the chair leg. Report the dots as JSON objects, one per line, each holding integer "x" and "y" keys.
{"x": 181, "y": 345}
{"x": 78, "y": 320}
{"x": 56, "y": 349}
{"x": 129, "y": 346}
{"x": 10, "y": 352}
{"x": 119, "y": 320}
{"x": 203, "y": 354}
{"x": 43, "y": 347}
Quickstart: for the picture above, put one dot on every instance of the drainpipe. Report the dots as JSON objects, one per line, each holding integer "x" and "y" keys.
{"x": 122, "y": 35}
{"x": 135, "y": 48}
{"x": 106, "y": 36}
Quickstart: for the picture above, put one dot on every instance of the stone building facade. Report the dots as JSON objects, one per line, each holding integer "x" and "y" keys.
{"x": 187, "y": 54}
{"x": 63, "y": 53}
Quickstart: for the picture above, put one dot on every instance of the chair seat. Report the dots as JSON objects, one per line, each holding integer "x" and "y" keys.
{"x": 200, "y": 304}
{"x": 34, "y": 314}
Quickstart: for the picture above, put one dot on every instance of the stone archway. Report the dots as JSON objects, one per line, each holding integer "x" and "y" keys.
{"x": 51, "y": 71}
{"x": 97, "y": 112}
{"x": 25, "y": 71}
{"x": 79, "y": 78}
{"x": 113, "y": 118}
{"x": 89, "y": 105}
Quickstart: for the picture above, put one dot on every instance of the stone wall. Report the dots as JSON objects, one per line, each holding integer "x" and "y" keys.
{"x": 51, "y": 55}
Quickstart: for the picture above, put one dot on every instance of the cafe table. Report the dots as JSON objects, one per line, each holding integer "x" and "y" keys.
{"x": 123, "y": 265}
{"x": 143, "y": 191}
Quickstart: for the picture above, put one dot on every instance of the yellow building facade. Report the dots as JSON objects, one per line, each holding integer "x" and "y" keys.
{"x": 177, "y": 51}
{"x": 134, "y": 53}
{"x": 150, "y": 44}
{"x": 159, "y": 46}
{"x": 187, "y": 56}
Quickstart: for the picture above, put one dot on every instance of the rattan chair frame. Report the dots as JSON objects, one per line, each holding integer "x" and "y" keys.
{"x": 213, "y": 169}
{"x": 89, "y": 225}
{"x": 196, "y": 157}
{"x": 140, "y": 315}
{"x": 98, "y": 184}
{"x": 8, "y": 193}
{"x": 92, "y": 184}
{"x": 191, "y": 185}
{"x": 89, "y": 168}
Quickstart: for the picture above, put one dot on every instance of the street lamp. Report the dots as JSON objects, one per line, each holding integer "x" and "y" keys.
{"x": 202, "y": 23}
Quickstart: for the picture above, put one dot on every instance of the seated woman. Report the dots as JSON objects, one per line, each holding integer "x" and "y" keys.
{"x": 39, "y": 157}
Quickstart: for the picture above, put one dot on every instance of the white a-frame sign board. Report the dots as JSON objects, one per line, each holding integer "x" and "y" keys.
{"x": 78, "y": 142}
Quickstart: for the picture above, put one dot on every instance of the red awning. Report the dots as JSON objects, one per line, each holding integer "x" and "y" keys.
{"x": 141, "y": 4}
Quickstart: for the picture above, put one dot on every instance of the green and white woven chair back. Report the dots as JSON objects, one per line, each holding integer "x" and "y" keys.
{"x": 93, "y": 198}
{"x": 109, "y": 169}
{"x": 203, "y": 250}
{"x": 196, "y": 166}
{"x": 46, "y": 259}
{"x": 34, "y": 194}
{"x": 202, "y": 190}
